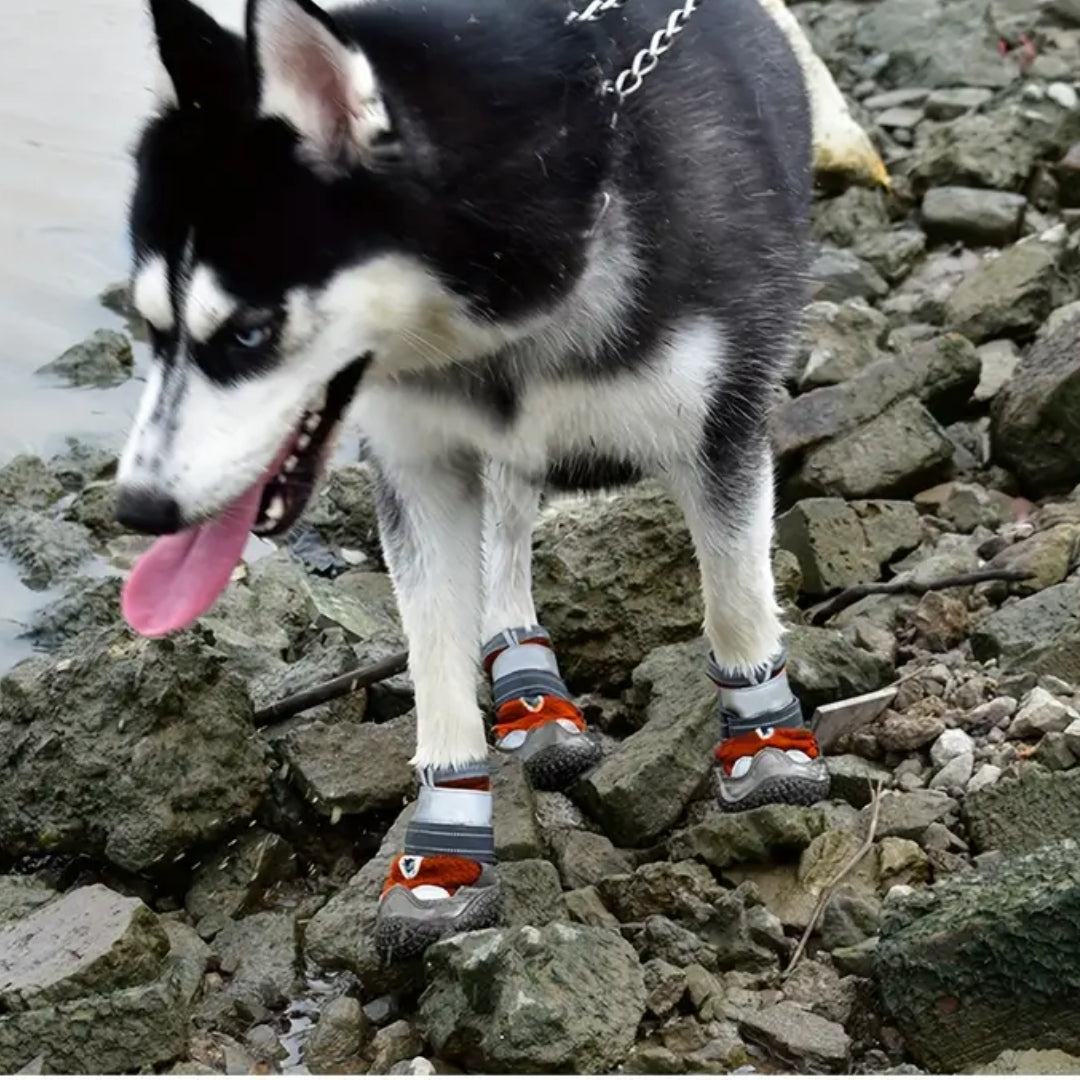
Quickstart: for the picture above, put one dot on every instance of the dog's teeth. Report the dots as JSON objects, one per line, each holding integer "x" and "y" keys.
{"x": 290, "y": 463}
{"x": 318, "y": 403}
{"x": 312, "y": 422}
{"x": 303, "y": 441}
{"x": 276, "y": 510}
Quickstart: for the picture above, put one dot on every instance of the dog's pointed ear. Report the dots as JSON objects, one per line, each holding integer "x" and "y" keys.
{"x": 307, "y": 75}
{"x": 204, "y": 63}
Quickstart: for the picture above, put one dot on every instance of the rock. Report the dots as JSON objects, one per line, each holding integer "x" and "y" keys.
{"x": 850, "y": 917}
{"x": 353, "y": 768}
{"x": 660, "y": 938}
{"x": 901, "y": 862}
{"x": 951, "y": 743}
{"x": 341, "y": 933}
{"x": 678, "y": 890}
{"x": 86, "y": 605}
{"x": 818, "y": 987}
{"x": 1040, "y": 712}
{"x": 585, "y": 858}
{"x": 954, "y": 775}
{"x": 585, "y": 906}
{"x": 28, "y": 483}
{"x": 749, "y": 836}
{"x": 930, "y": 45}
{"x": 901, "y": 116}
{"x": 397, "y": 1042}
{"x": 517, "y": 832}
{"x": 898, "y": 453}
{"x": 823, "y": 666}
{"x": 798, "y": 1038}
{"x": 999, "y": 358}
{"x": 1046, "y": 557}
{"x": 337, "y": 1043}
{"x": 230, "y": 882}
{"x": 615, "y": 577}
{"x": 972, "y": 215}
{"x": 665, "y": 986}
{"x": 903, "y": 732}
{"x": 939, "y": 622}
{"x": 892, "y": 527}
{"x": 343, "y": 512}
{"x": 531, "y": 893}
{"x": 1032, "y": 425}
{"x": 45, "y": 549}
{"x": 92, "y": 982}
{"x": 908, "y": 813}
{"x": 642, "y": 787}
{"x": 950, "y": 102}
{"x": 1039, "y": 634}
{"x": 985, "y": 964}
{"x": 418, "y": 1066}
{"x": 837, "y": 275}
{"x": 1053, "y": 752}
{"x": 1029, "y": 1063}
{"x": 20, "y": 895}
{"x": 853, "y": 778}
{"x": 966, "y": 506}
{"x": 1019, "y": 815}
{"x": 105, "y": 359}
{"x": 260, "y": 953}
{"x": 559, "y": 998}
{"x": 892, "y": 254}
{"x": 854, "y": 213}
{"x": 857, "y": 959}
{"x": 1072, "y": 736}
{"x": 828, "y": 539}
{"x": 840, "y": 340}
{"x": 985, "y": 775}
{"x": 1010, "y": 294}
{"x": 649, "y": 1060}
{"x": 126, "y": 749}
{"x": 942, "y": 372}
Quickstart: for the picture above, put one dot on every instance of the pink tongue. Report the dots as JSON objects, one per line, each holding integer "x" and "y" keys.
{"x": 181, "y": 576}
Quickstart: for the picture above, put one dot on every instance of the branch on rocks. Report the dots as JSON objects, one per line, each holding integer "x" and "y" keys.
{"x": 826, "y": 893}
{"x": 823, "y": 612}
{"x": 348, "y": 683}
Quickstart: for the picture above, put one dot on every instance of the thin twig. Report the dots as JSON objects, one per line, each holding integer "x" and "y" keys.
{"x": 348, "y": 683}
{"x": 826, "y": 893}
{"x": 825, "y": 611}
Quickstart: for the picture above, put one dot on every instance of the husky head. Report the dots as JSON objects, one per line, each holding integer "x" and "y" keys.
{"x": 325, "y": 200}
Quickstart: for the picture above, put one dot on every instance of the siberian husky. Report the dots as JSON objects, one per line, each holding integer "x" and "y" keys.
{"x": 439, "y": 217}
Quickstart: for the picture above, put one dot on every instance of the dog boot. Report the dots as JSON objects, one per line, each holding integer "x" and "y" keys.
{"x": 445, "y": 880}
{"x": 767, "y": 755}
{"x": 535, "y": 720}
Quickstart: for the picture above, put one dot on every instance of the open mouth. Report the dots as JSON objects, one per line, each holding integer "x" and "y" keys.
{"x": 300, "y": 464}
{"x": 182, "y": 575}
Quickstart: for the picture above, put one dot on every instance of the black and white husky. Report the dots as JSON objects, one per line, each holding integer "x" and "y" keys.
{"x": 429, "y": 214}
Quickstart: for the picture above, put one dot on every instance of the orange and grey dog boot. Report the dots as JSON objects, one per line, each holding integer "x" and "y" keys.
{"x": 445, "y": 881}
{"x": 535, "y": 720}
{"x": 767, "y": 755}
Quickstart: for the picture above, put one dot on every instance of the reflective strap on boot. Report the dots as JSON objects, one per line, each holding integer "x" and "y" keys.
{"x": 748, "y": 705}
{"x": 452, "y": 821}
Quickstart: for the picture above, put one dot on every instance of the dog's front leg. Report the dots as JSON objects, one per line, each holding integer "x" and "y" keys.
{"x": 535, "y": 720}
{"x": 430, "y": 515}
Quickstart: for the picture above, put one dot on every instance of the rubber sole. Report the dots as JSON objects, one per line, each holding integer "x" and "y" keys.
{"x": 557, "y": 767}
{"x": 403, "y": 937}
{"x": 788, "y": 790}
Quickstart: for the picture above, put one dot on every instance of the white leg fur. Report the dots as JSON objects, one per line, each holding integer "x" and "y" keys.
{"x": 742, "y": 617}
{"x": 432, "y": 541}
{"x": 511, "y": 504}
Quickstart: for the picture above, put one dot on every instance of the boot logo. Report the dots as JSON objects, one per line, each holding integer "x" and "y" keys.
{"x": 409, "y": 865}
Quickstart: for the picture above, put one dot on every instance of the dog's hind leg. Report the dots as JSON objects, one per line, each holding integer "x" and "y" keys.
{"x": 430, "y": 515}
{"x": 535, "y": 719}
{"x": 765, "y": 754}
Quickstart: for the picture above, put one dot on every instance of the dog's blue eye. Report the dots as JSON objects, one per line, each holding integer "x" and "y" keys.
{"x": 251, "y": 337}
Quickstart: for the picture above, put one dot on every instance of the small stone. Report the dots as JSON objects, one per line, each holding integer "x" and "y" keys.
{"x": 999, "y": 360}
{"x": 899, "y": 117}
{"x": 585, "y": 858}
{"x": 750, "y": 836}
{"x": 850, "y": 916}
{"x": 854, "y": 778}
{"x": 907, "y": 731}
{"x": 238, "y": 873}
{"x": 954, "y": 775}
{"x": 1063, "y": 94}
{"x": 105, "y": 359}
{"x": 907, "y": 814}
{"x": 399, "y": 1041}
{"x": 1030, "y": 1063}
{"x": 811, "y": 1042}
{"x": 829, "y": 541}
{"x": 949, "y": 103}
{"x": 950, "y": 744}
{"x": 665, "y": 986}
{"x": 1040, "y": 712}
{"x": 517, "y": 831}
{"x": 840, "y": 340}
{"x": 531, "y": 893}
{"x": 1072, "y": 736}
{"x": 992, "y": 714}
{"x": 20, "y": 895}
{"x": 339, "y": 1038}
{"x": 586, "y": 907}
{"x": 1053, "y": 752}
{"x": 972, "y": 215}
{"x": 985, "y": 775}
{"x": 901, "y": 862}
{"x": 648, "y": 1060}
{"x": 840, "y": 275}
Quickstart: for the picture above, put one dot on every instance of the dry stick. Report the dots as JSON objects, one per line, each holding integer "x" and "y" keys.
{"x": 823, "y": 612}
{"x": 826, "y": 893}
{"x": 348, "y": 683}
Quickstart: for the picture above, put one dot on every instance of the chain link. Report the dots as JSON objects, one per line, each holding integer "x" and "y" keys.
{"x": 629, "y": 80}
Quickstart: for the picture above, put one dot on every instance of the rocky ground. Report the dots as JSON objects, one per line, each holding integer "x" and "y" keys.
{"x": 188, "y": 890}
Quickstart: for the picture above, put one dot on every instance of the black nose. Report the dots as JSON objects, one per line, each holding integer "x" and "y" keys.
{"x": 146, "y": 511}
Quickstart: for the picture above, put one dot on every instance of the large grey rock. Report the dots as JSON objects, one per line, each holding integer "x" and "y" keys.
{"x": 1010, "y": 294}
{"x": 823, "y": 666}
{"x": 94, "y": 982}
{"x": 839, "y": 341}
{"x": 827, "y": 537}
{"x": 983, "y": 965}
{"x": 560, "y": 998}
{"x": 896, "y": 454}
{"x": 1039, "y": 634}
{"x": 752, "y": 836}
{"x": 20, "y": 895}
{"x": 126, "y": 749}
{"x": 908, "y": 814}
{"x": 104, "y": 359}
{"x": 27, "y": 482}
{"x": 1035, "y": 418}
{"x": 338, "y": 1041}
{"x": 1018, "y": 815}
{"x": 642, "y": 787}
{"x": 941, "y": 372}
{"x": 531, "y": 893}
{"x": 353, "y": 768}
{"x": 798, "y": 1037}
{"x": 837, "y": 274}
{"x": 260, "y": 953}
{"x": 236, "y": 876}
{"x": 615, "y": 577}
{"x": 973, "y": 215}
{"x": 44, "y": 548}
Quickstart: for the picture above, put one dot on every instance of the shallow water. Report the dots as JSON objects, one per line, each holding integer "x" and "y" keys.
{"x": 75, "y": 77}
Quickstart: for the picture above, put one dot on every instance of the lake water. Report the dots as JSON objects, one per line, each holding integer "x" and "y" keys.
{"x": 75, "y": 78}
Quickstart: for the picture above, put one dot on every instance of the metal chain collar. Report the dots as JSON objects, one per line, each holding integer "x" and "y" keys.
{"x": 629, "y": 80}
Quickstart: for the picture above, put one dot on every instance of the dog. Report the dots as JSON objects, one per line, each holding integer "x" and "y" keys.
{"x": 442, "y": 219}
